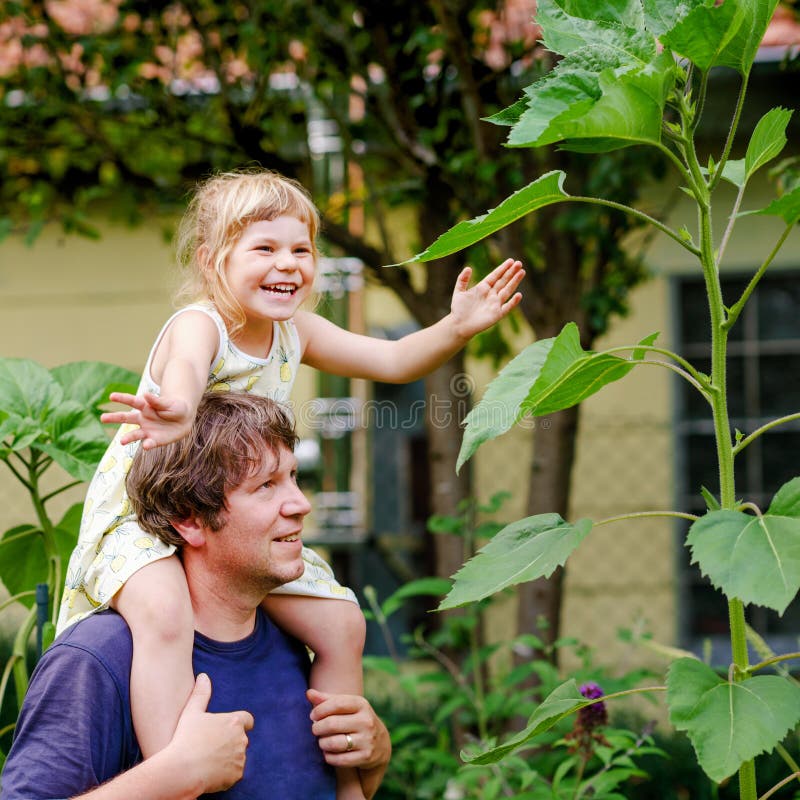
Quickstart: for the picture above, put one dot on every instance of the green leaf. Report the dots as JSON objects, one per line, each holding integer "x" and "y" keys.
{"x": 542, "y": 192}
{"x": 88, "y": 382}
{"x": 500, "y": 407}
{"x": 741, "y": 48}
{"x": 424, "y": 587}
{"x": 756, "y": 559}
{"x": 663, "y": 15}
{"x": 618, "y": 105}
{"x": 27, "y": 389}
{"x": 23, "y": 560}
{"x": 570, "y": 374}
{"x": 77, "y": 440}
{"x": 528, "y": 549}
{"x": 786, "y": 206}
{"x": 547, "y": 376}
{"x": 726, "y": 35}
{"x": 560, "y": 703}
{"x": 627, "y": 13}
{"x": 570, "y": 26}
{"x": 729, "y": 723}
{"x": 735, "y": 172}
{"x": 712, "y": 504}
{"x": 768, "y": 139}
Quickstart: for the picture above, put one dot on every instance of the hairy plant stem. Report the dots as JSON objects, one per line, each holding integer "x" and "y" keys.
{"x": 48, "y": 538}
{"x": 719, "y": 409}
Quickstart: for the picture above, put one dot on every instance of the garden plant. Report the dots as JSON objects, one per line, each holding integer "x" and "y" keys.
{"x": 436, "y": 701}
{"x": 636, "y": 73}
{"x": 47, "y": 418}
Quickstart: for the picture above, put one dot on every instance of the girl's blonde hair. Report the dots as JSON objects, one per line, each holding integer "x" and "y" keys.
{"x": 221, "y": 208}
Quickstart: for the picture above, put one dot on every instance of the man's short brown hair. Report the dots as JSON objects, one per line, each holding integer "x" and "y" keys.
{"x": 190, "y": 477}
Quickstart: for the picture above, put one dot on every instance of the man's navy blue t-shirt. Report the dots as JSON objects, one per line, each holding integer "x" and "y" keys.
{"x": 75, "y": 730}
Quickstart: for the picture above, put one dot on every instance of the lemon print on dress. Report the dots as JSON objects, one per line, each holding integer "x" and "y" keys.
{"x": 251, "y": 382}
{"x": 107, "y": 464}
{"x": 218, "y": 367}
{"x": 148, "y": 545}
{"x": 220, "y": 386}
{"x": 118, "y": 562}
{"x": 286, "y": 367}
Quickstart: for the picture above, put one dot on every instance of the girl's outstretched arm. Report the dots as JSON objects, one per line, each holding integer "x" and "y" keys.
{"x": 335, "y": 350}
{"x": 180, "y": 366}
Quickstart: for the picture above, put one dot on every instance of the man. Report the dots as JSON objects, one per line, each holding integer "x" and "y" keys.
{"x": 229, "y": 491}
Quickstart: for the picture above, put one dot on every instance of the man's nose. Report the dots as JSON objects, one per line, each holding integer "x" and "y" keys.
{"x": 297, "y": 505}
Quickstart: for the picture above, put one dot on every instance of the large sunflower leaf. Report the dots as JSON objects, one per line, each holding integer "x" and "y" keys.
{"x": 500, "y": 407}
{"x": 756, "y": 559}
{"x": 570, "y": 374}
{"x": 542, "y": 192}
{"x": 89, "y": 382}
{"x": 725, "y": 35}
{"x": 528, "y": 549}
{"x": 729, "y": 723}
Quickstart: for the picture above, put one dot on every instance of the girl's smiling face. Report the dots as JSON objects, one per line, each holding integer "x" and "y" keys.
{"x": 270, "y": 270}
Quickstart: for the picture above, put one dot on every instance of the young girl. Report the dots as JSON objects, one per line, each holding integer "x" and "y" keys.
{"x": 248, "y": 245}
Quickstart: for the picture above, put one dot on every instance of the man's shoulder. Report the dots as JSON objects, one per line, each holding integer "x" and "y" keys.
{"x": 104, "y": 636}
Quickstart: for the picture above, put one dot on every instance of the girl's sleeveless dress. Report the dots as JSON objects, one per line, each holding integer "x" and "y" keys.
{"x": 111, "y": 545}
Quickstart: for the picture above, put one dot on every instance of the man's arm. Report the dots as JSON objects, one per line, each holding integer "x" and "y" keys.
{"x": 206, "y": 754}
{"x": 73, "y": 734}
{"x": 351, "y": 734}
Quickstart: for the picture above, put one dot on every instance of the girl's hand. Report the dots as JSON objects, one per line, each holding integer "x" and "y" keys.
{"x": 160, "y": 420}
{"x": 476, "y": 309}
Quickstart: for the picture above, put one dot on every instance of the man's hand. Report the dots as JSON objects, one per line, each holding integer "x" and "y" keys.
{"x": 351, "y": 734}
{"x": 210, "y": 746}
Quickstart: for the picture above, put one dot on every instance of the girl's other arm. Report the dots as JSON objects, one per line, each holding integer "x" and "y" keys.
{"x": 180, "y": 366}
{"x": 335, "y": 350}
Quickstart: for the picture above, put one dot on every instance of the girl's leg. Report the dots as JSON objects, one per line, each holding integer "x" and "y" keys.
{"x": 335, "y": 630}
{"x": 156, "y": 605}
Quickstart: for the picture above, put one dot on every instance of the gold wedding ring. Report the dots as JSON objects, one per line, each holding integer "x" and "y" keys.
{"x": 349, "y": 739}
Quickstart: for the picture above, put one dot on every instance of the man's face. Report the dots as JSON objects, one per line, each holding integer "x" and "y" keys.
{"x": 259, "y": 544}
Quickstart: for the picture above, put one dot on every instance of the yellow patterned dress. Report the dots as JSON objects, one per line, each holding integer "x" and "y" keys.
{"x": 111, "y": 545}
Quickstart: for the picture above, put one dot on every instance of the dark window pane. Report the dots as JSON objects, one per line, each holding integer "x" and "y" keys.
{"x": 779, "y": 392}
{"x": 779, "y": 309}
{"x": 781, "y": 458}
{"x": 694, "y": 316}
{"x": 696, "y": 407}
{"x": 703, "y": 467}
{"x": 737, "y": 397}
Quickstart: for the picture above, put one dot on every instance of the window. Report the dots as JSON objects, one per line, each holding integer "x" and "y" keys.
{"x": 763, "y": 383}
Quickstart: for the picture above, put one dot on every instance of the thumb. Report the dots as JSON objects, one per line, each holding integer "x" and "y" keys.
{"x": 201, "y": 694}
{"x": 462, "y": 282}
{"x": 315, "y": 697}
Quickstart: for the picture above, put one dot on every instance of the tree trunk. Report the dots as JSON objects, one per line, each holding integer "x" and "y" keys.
{"x": 448, "y": 402}
{"x": 539, "y": 609}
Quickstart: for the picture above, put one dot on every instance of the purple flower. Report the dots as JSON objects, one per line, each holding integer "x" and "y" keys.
{"x": 595, "y": 715}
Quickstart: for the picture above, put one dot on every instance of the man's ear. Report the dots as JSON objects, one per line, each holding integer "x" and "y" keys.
{"x": 191, "y": 530}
